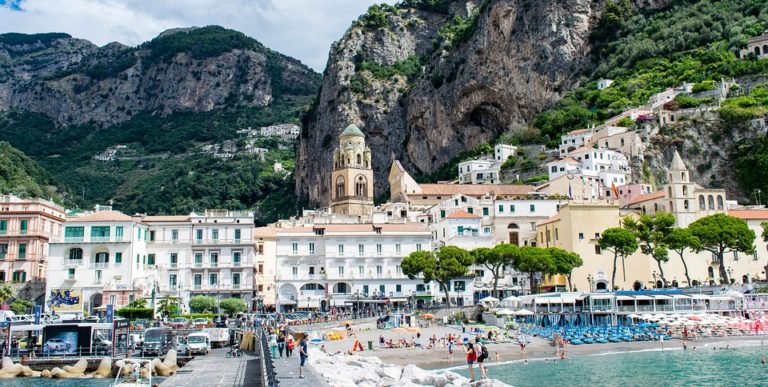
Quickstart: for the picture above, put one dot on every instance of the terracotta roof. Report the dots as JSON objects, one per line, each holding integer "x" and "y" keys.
{"x": 749, "y": 214}
{"x": 101, "y": 216}
{"x": 553, "y": 218}
{"x": 461, "y": 214}
{"x": 295, "y": 230}
{"x": 582, "y": 149}
{"x": 262, "y": 232}
{"x": 578, "y": 131}
{"x": 473, "y": 189}
{"x": 567, "y": 160}
{"x": 646, "y": 197}
{"x": 357, "y": 227}
{"x": 166, "y": 218}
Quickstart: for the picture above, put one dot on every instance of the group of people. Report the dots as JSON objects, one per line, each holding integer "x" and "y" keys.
{"x": 282, "y": 341}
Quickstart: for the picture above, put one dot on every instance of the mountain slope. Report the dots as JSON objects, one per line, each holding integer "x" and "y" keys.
{"x": 155, "y": 128}
{"x": 487, "y": 66}
{"x": 23, "y": 176}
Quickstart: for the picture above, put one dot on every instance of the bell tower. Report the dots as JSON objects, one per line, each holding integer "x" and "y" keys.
{"x": 680, "y": 192}
{"x": 352, "y": 176}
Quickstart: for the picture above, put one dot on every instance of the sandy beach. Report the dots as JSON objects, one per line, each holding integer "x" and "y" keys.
{"x": 438, "y": 358}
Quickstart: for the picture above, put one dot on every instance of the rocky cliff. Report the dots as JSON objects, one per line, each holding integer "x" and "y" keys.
{"x": 482, "y": 67}
{"x": 198, "y": 69}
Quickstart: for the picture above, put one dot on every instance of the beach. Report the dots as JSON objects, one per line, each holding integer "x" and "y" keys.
{"x": 438, "y": 358}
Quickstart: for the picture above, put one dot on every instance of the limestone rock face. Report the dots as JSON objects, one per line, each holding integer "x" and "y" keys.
{"x": 520, "y": 57}
{"x": 74, "y": 81}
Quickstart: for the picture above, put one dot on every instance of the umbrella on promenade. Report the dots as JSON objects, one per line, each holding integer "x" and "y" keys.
{"x": 693, "y": 317}
{"x": 524, "y": 312}
{"x": 505, "y": 312}
{"x": 428, "y": 316}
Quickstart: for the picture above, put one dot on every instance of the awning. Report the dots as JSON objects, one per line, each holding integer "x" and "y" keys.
{"x": 398, "y": 299}
{"x": 601, "y": 296}
{"x": 641, "y": 298}
{"x": 423, "y": 297}
{"x": 662, "y": 297}
{"x": 625, "y": 298}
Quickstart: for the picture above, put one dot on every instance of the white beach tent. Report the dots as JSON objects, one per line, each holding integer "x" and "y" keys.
{"x": 505, "y": 312}
{"x": 489, "y": 299}
{"x": 523, "y": 312}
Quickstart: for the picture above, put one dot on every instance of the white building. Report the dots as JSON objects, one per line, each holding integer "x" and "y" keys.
{"x": 208, "y": 254}
{"x": 320, "y": 266}
{"x": 604, "y": 83}
{"x": 502, "y": 152}
{"x": 265, "y": 268}
{"x": 481, "y": 171}
{"x": 101, "y": 258}
{"x": 573, "y": 140}
{"x": 557, "y": 168}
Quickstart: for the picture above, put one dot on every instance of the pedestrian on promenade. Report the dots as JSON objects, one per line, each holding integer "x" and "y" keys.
{"x": 303, "y": 355}
{"x": 471, "y": 359}
{"x": 273, "y": 344}
{"x": 281, "y": 344}
{"x": 289, "y": 344}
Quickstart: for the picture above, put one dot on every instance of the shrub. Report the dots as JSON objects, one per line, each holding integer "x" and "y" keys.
{"x": 233, "y": 305}
{"x": 202, "y": 303}
{"x": 704, "y": 86}
{"x": 136, "y": 313}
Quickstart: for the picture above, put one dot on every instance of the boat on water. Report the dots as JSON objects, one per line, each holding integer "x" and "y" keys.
{"x": 134, "y": 378}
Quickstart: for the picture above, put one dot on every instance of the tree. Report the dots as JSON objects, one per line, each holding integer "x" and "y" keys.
{"x": 6, "y": 292}
{"x": 440, "y": 266}
{"x": 765, "y": 231}
{"x": 233, "y": 305}
{"x": 137, "y": 303}
{"x": 21, "y": 306}
{"x": 201, "y": 304}
{"x": 168, "y": 306}
{"x": 680, "y": 239}
{"x": 496, "y": 260}
{"x": 534, "y": 260}
{"x": 651, "y": 232}
{"x": 565, "y": 262}
{"x": 621, "y": 243}
{"x": 721, "y": 233}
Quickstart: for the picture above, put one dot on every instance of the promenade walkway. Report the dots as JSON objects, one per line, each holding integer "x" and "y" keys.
{"x": 287, "y": 370}
{"x": 215, "y": 370}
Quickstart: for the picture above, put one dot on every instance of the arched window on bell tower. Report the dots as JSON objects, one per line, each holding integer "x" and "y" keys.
{"x": 340, "y": 191}
{"x": 361, "y": 187}
{"x": 359, "y": 160}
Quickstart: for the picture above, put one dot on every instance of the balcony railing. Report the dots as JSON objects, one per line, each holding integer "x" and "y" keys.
{"x": 100, "y": 239}
{"x": 198, "y": 264}
{"x": 99, "y": 265}
{"x": 74, "y": 239}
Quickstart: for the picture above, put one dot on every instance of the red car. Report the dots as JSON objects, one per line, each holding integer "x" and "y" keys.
{"x": 178, "y": 323}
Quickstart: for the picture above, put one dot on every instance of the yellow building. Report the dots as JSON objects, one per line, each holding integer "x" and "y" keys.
{"x": 352, "y": 176}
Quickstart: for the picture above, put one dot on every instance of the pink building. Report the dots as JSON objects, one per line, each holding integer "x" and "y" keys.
{"x": 26, "y": 227}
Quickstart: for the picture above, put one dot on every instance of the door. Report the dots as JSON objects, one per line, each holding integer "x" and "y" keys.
{"x": 514, "y": 238}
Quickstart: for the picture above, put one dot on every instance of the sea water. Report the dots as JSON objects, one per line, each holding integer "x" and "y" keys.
{"x": 704, "y": 366}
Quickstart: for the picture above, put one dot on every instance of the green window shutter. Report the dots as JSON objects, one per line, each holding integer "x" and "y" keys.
{"x": 151, "y": 259}
{"x": 3, "y": 226}
{"x": 485, "y": 211}
{"x": 512, "y": 208}
{"x": 22, "y": 250}
{"x": 501, "y": 208}
{"x": 118, "y": 257}
{"x": 442, "y": 214}
{"x": 471, "y": 210}
{"x": 24, "y": 226}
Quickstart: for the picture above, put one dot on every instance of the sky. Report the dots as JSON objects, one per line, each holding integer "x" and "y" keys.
{"x": 303, "y": 29}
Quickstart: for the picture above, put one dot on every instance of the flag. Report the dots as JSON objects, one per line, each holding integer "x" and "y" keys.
{"x": 615, "y": 190}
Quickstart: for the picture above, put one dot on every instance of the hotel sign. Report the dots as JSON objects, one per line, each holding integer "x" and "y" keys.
{"x": 298, "y": 262}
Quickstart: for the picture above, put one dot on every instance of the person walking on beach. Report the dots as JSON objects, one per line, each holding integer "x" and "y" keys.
{"x": 303, "y": 355}
{"x": 471, "y": 359}
{"x": 450, "y": 350}
{"x": 482, "y": 354}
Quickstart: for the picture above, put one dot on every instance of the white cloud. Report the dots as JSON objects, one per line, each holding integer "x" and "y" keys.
{"x": 303, "y": 29}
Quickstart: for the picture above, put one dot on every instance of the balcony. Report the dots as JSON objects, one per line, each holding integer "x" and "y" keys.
{"x": 98, "y": 265}
{"x": 216, "y": 241}
{"x": 100, "y": 239}
{"x": 74, "y": 239}
{"x": 236, "y": 286}
{"x": 198, "y": 265}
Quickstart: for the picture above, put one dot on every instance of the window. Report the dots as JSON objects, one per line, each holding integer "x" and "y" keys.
{"x": 382, "y": 289}
{"x": 22, "y": 251}
{"x": 361, "y": 270}
{"x": 174, "y": 235}
{"x": 3, "y": 227}
{"x": 398, "y": 288}
{"x": 365, "y": 290}
{"x": 719, "y": 202}
{"x": 213, "y": 279}
{"x": 295, "y": 271}
{"x": 151, "y": 259}
{"x": 361, "y": 187}
{"x": 118, "y": 258}
{"x": 378, "y": 270}
{"x": 702, "y": 203}
{"x": 118, "y": 233}
{"x": 711, "y": 202}
{"x": 486, "y": 230}
{"x": 533, "y": 226}
{"x": 215, "y": 235}
{"x": 100, "y": 233}
{"x": 198, "y": 281}
{"x": 260, "y": 268}
{"x": 174, "y": 259}
{"x": 735, "y": 256}
{"x": 236, "y": 256}
{"x": 556, "y": 236}
{"x": 4, "y": 250}
{"x": 71, "y": 273}
{"x": 97, "y": 276}
{"x": 597, "y": 235}
{"x": 23, "y": 227}
{"x": 397, "y": 248}
{"x": 598, "y": 250}
{"x": 341, "y": 271}
{"x": 198, "y": 259}
{"x": 341, "y": 250}
{"x": 442, "y": 214}
{"x": 235, "y": 280}
{"x": 152, "y": 236}
{"x": 581, "y": 235}
{"x": 418, "y": 247}
{"x": 754, "y": 255}
{"x": 685, "y": 204}
{"x": 214, "y": 259}
{"x": 294, "y": 248}
{"x": 378, "y": 249}
{"x": 486, "y": 212}
{"x": 311, "y": 248}
{"x": 199, "y": 236}
{"x": 237, "y": 235}
{"x": 511, "y": 208}
{"x": 398, "y": 270}
{"x": 533, "y": 208}
{"x": 74, "y": 233}
{"x": 172, "y": 281}
{"x": 361, "y": 249}
{"x": 470, "y": 210}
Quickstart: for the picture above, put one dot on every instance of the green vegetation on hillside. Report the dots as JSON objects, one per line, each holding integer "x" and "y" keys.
{"x": 644, "y": 53}
{"x": 20, "y": 44}
{"x": 200, "y": 43}
{"x": 23, "y": 176}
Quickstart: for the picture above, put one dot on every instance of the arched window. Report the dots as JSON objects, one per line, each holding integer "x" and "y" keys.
{"x": 711, "y": 272}
{"x": 745, "y": 279}
{"x": 669, "y": 191}
{"x": 720, "y": 204}
{"x": 702, "y": 203}
{"x": 513, "y": 226}
{"x": 685, "y": 189}
{"x": 340, "y": 190}
{"x": 76, "y": 253}
{"x": 643, "y": 209}
{"x": 765, "y": 49}
{"x": 685, "y": 204}
{"x": 711, "y": 202}
{"x": 655, "y": 207}
{"x": 757, "y": 50}
{"x": 359, "y": 159}
{"x": 361, "y": 186}
{"x": 670, "y": 177}
{"x": 684, "y": 177}
{"x": 671, "y": 208}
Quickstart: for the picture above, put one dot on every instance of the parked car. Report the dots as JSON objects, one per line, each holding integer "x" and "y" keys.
{"x": 157, "y": 341}
{"x": 178, "y": 323}
{"x": 220, "y": 321}
{"x": 201, "y": 322}
{"x": 199, "y": 343}
{"x": 56, "y": 345}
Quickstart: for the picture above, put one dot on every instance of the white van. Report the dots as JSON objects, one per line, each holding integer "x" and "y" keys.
{"x": 199, "y": 343}
{"x": 7, "y": 315}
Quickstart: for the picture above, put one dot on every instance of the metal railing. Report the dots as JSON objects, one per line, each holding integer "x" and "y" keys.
{"x": 267, "y": 367}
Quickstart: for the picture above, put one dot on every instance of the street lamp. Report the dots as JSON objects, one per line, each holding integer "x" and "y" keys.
{"x": 654, "y": 279}
{"x": 590, "y": 281}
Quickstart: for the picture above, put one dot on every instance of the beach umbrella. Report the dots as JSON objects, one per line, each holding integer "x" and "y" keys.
{"x": 693, "y": 317}
{"x": 489, "y": 299}
{"x": 428, "y": 316}
{"x": 524, "y": 312}
{"x": 505, "y": 312}
{"x": 399, "y": 330}
{"x": 347, "y": 322}
{"x": 633, "y": 315}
